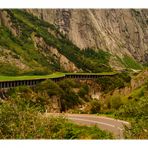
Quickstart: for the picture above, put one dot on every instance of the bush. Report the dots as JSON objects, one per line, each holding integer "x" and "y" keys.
{"x": 115, "y": 102}
{"x": 131, "y": 63}
{"x": 50, "y": 87}
{"x": 8, "y": 69}
{"x": 109, "y": 83}
{"x": 95, "y": 106}
{"x": 69, "y": 98}
{"x": 83, "y": 91}
{"x": 92, "y": 107}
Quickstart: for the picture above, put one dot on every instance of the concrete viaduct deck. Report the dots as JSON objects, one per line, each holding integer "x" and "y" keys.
{"x": 34, "y": 81}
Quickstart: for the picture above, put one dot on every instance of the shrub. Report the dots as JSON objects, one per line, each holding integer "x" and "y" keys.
{"x": 115, "y": 102}
{"x": 92, "y": 107}
{"x": 131, "y": 63}
{"x": 83, "y": 91}
{"x": 108, "y": 83}
{"x": 95, "y": 106}
{"x": 8, "y": 69}
{"x": 50, "y": 87}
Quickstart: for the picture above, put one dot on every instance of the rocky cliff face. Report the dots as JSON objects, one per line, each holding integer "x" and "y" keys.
{"x": 73, "y": 39}
{"x": 119, "y": 31}
{"x": 64, "y": 62}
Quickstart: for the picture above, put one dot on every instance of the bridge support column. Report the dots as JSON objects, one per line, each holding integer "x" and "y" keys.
{"x": 4, "y": 84}
{"x": 18, "y": 83}
{"x": 14, "y": 84}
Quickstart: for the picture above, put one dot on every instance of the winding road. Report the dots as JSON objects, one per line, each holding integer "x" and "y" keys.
{"x": 105, "y": 123}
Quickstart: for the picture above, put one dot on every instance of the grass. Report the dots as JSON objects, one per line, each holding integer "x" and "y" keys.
{"x": 130, "y": 63}
{"x": 13, "y": 78}
{"x": 54, "y": 75}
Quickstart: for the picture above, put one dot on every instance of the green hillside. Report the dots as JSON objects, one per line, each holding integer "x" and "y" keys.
{"x": 42, "y": 61}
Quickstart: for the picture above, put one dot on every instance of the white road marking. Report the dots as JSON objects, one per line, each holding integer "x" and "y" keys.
{"x": 103, "y": 123}
{"x": 77, "y": 117}
{"x": 99, "y": 117}
{"x": 115, "y": 120}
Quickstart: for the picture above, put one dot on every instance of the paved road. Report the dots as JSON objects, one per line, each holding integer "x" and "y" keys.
{"x": 112, "y": 125}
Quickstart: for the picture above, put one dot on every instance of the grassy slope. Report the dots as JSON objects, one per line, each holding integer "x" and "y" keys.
{"x": 130, "y": 63}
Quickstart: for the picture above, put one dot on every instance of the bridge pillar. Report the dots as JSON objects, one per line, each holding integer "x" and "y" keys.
{"x": 25, "y": 82}
{"x": 33, "y": 82}
{"x": 4, "y": 84}
{"x": 14, "y": 84}
{"x": 1, "y": 85}
{"x": 18, "y": 83}
{"x": 29, "y": 82}
{"x": 21, "y": 83}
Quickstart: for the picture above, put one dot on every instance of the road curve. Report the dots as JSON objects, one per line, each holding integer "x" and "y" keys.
{"x": 105, "y": 123}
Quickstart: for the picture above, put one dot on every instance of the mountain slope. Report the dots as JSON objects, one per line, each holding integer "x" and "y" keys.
{"x": 39, "y": 45}
{"x": 53, "y": 41}
{"x": 119, "y": 31}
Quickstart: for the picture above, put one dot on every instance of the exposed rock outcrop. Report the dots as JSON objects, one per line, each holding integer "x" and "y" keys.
{"x": 118, "y": 31}
{"x": 9, "y": 57}
{"x": 53, "y": 52}
{"x": 94, "y": 89}
{"x": 6, "y": 21}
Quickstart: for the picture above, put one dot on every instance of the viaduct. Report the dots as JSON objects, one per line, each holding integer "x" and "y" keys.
{"x": 33, "y": 81}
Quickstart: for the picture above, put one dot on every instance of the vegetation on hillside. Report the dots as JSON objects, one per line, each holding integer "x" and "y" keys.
{"x": 21, "y": 111}
{"x": 110, "y": 83}
{"x": 41, "y": 61}
{"x": 8, "y": 69}
{"x": 130, "y": 63}
{"x": 136, "y": 111}
{"x": 23, "y": 45}
{"x": 21, "y": 118}
{"x": 30, "y": 102}
{"x": 132, "y": 107}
